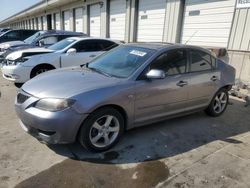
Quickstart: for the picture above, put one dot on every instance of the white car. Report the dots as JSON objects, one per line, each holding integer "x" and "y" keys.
{"x": 22, "y": 65}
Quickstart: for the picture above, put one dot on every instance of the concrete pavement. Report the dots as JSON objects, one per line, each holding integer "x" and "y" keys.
{"x": 191, "y": 151}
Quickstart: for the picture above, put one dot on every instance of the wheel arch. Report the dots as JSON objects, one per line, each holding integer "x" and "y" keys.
{"x": 114, "y": 106}
{"x": 41, "y": 65}
{"x": 120, "y": 109}
{"x": 227, "y": 87}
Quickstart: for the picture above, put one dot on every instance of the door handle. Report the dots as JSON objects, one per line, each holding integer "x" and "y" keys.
{"x": 92, "y": 55}
{"x": 214, "y": 78}
{"x": 182, "y": 83}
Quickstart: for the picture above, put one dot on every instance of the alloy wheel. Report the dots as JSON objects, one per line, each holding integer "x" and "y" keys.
{"x": 220, "y": 102}
{"x": 104, "y": 131}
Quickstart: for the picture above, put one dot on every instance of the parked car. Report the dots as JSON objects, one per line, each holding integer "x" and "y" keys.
{"x": 130, "y": 86}
{"x": 23, "y": 65}
{"x": 16, "y": 34}
{"x": 3, "y": 30}
{"x": 40, "y": 38}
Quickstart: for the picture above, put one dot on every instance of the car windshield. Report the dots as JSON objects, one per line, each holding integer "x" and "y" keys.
{"x": 33, "y": 37}
{"x": 122, "y": 61}
{"x": 61, "y": 45}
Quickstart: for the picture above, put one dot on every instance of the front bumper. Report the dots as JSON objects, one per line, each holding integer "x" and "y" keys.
{"x": 16, "y": 73}
{"x": 49, "y": 127}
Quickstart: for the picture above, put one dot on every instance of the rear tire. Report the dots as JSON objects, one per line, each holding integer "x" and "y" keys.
{"x": 101, "y": 130}
{"x": 40, "y": 69}
{"x": 218, "y": 104}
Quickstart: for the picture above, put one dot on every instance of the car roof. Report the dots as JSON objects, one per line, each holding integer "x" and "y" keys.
{"x": 151, "y": 45}
{"x": 24, "y": 30}
{"x": 61, "y": 32}
{"x": 94, "y": 38}
{"x": 164, "y": 45}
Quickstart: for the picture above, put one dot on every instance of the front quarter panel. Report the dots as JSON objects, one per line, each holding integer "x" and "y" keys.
{"x": 121, "y": 95}
{"x": 52, "y": 59}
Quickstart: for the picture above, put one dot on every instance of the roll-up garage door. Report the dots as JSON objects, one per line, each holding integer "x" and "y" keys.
{"x": 29, "y": 24}
{"x": 117, "y": 19}
{"x": 58, "y": 25}
{"x": 39, "y": 23}
{"x": 207, "y": 23}
{"x": 95, "y": 20}
{"x": 32, "y": 24}
{"x": 66, "y": 18}
{"x": 52, "y": 21}
{"x": 151, "y": 16}
{"x": 44, "y": 23}
{"x": 79, "y": 19}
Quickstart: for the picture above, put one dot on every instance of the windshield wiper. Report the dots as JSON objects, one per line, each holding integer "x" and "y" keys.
{"x": 99, "y": 71}
{"x": 96, "y": 70}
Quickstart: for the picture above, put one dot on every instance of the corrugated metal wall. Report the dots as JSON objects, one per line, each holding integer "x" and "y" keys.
{"x": 240, "y": 34}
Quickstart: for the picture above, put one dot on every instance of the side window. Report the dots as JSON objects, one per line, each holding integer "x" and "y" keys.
{"x": 49, "y": 40}
{"x": 200, "y": 61}
{"x": 27, "y": 33}
{"x": 172, "y": 62}
{"x": 107, "y": 45}
{"x": 13, "y": 35}
{"x": 87, "y": 46}
{"x": 61, "y": 37}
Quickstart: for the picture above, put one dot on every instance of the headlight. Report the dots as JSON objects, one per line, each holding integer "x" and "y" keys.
{"x": 53, "y": 105}
{"x": 21, "y": 59}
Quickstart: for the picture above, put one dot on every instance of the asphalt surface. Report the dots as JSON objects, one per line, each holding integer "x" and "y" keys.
{"x": 191, "y": 151}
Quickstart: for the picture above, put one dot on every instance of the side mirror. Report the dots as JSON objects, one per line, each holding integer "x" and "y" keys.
{"x": 155, "y": 74}
{"x": 71, "y": 51}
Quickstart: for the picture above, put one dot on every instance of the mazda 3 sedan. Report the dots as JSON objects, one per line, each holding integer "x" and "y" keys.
{"x": 129, "y": 86}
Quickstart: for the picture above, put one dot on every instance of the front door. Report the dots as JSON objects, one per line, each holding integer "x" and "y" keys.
{"x": 162, "y": 97}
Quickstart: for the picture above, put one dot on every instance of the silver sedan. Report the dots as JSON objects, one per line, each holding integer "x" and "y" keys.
{"x": 130, "y": 86}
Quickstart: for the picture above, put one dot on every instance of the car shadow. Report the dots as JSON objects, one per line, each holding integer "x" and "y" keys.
{"x": 167, "y": 138}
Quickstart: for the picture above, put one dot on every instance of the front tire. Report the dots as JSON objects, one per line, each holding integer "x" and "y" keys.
{"x": 101, "y": 130}
{"x": 218, "y": 104}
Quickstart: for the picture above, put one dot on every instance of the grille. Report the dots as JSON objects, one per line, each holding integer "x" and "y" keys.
{"x": 21, "y": 98}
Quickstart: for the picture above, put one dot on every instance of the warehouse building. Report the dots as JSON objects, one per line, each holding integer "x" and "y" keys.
{"x": 207, "y": 23}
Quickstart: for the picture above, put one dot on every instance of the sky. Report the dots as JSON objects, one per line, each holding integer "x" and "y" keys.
{"x": 10, "y": 7}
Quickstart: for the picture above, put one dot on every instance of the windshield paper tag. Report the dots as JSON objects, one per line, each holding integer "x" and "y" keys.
{"x": 138, "y": 53}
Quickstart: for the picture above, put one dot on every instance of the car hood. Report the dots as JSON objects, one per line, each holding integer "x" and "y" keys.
{"x": 67, "y": 82}
{"x": 27, "y": 52}
{"x": 21, "y": 46}
{"x": 7, "y": 45}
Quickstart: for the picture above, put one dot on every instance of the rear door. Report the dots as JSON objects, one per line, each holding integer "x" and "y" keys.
{"x": 203, "y": 79}
{"x": 86, "y": 50}
{"x": 162, "y": 97}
